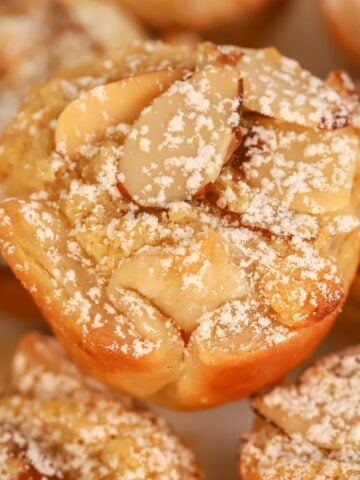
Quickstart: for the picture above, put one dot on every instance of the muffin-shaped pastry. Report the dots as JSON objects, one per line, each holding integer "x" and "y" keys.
{"x": 309, "y": 430}
{"x": 58, "y": 424}
{"x": 38, "y": 37}
{"x": 187, "y": 218}
{"x": 343, "y": 19}
{"x": 192, "y": 14}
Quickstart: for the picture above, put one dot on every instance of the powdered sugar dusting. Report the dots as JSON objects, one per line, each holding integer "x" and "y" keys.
{"x": 316, "y": 424}
{"x": 244, "y": 263}
{"x": 60, "y": 424}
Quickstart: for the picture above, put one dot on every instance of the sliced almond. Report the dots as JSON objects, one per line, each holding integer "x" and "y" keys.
{"x": 309, "y": 170}
{"x": 86, "y": 120}
{"x": 180, "y": 143}
{"x": 186, "y": 280}
{"x": 280, "y": 88}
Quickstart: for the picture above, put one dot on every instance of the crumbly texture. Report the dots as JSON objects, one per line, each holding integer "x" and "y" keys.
{"x": 256, "y": 262}
{"x": 193, "y": 13}
{"x": 39, "y": 37}
{"x": 311, "y": 430}
{"x": 58, "y": 424}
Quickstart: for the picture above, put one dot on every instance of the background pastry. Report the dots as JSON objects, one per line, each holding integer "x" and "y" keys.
{"x": 192, "y": 14}
{"x": 343, "y": 19}
{"x": 234, "y": 256}
{"x": 38, "y": 37}
{"x": 59, "y": 424}
{"x": 310, "y": 429}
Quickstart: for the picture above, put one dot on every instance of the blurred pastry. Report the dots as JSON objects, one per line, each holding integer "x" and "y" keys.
{"x": 38, "y": 37}
{"x": 343, "y": 19}
{"x": 188, "y": 222}
{"x": 309, "y": 430}
{"x": 192, "y": 14}
{"x": 59, "y": 424}
{"x": 15, "y": 301}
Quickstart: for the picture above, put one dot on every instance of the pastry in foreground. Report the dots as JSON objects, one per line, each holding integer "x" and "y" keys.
{"x": 38, "y": 37}
{"x": 193, "y": 14}
{"x": 186, "y": 218}
{"x": 58, "y": 424}
{"x": 308, "y": 430}
{"x": 343, "y": 19}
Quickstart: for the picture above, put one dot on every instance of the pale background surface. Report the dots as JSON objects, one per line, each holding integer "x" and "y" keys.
{"x": 299, "y": 32}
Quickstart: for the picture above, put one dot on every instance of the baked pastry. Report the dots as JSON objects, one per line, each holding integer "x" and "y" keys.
{"x": 343, "y": 19}
{"x": 61, "y": 425}
{"x": 309, "y": 430}
{"x": 37, "y": 37}
{"x": 192, "y": 14}
{"x": 187, "y": 218}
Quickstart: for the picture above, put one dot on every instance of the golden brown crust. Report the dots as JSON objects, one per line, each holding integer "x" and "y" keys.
{"x": 181, "y": 302}
{"x": 203, "y": 384}
{"x": 58, "y": 423}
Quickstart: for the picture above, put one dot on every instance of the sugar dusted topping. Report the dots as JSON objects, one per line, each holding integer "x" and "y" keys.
{"x": 311, "y": 171}
{"x": 270, "y": 454}
{"x": 249, "y": 252}
{"x": 316, "y": 424}
{"x": 192, "y": 131}
{"x": 277, "y": 87}
{"x": 46, "y": 432}
{"x": 324, "y": 407}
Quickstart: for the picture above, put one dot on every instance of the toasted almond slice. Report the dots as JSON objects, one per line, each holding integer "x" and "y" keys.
{"x": 86, "y": 119}
{"x": 309, "y": 170}
{"x": 180, "y": 143}
{"x": 280, "y": 88}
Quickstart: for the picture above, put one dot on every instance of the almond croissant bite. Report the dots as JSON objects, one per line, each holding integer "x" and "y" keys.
{"x": 38, "y": 37}
{"x": 58, "y": 424}
{"x": 186, "y": 218}
{"x": 309, "y": 430}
